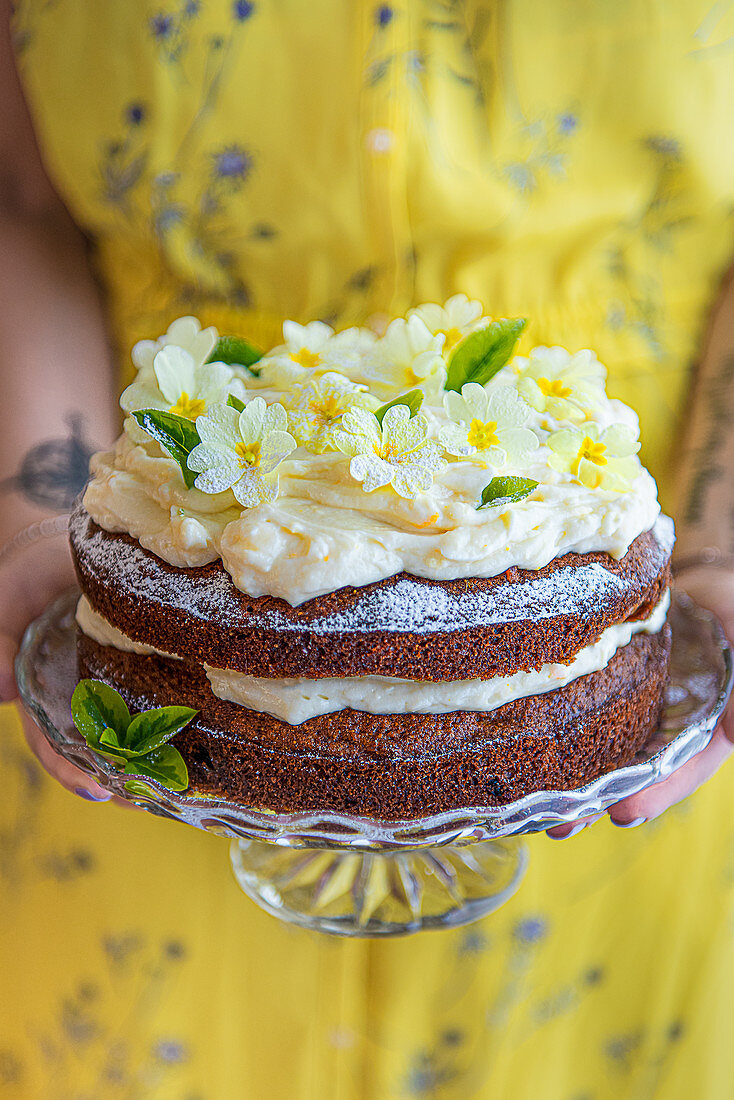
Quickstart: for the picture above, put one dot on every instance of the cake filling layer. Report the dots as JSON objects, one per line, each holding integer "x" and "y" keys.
{"x": 295, "y": 700}
{"x": 324, "y": 532}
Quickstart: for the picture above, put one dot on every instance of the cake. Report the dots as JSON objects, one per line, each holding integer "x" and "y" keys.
{"x": 394, "y": 574}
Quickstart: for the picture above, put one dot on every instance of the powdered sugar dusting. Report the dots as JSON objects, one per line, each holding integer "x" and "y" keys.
{"x": 407, "y": 605}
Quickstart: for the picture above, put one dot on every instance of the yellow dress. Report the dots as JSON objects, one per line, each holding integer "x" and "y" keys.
{"x": 250, "y": 161}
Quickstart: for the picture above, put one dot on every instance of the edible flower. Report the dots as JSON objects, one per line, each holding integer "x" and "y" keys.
{"x": 178, "y": 384}
{"x": 564, "y": 386}
{"x": 491, "y": 421}
{"x": 398, "y": 453}
{"x": 454, "y": 320}
{"x": 315, "y": 408}
{"x": 597, "y": 459}
{"x": 407, "y": 355}
{"x": 186, "y": 333}
{"x": 311, "y": 349}
{"x": 241, "y": 450}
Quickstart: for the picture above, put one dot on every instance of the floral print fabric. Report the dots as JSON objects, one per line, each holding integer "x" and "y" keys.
{"x": 249, "y": 161}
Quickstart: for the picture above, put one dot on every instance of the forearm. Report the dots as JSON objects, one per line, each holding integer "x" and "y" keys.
{"x": 705, "y": 512}
{"x": 55, "y": 365}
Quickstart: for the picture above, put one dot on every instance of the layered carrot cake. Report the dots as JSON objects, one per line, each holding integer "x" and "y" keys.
{"x": 394, "y": 574}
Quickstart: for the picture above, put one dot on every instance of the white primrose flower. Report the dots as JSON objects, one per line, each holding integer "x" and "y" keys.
{"x": 408, "y": 355}
{"x": 305, "y": 349}
{"x": 398, "y": 453}
{"x": 241, "y": 451}
{"x": 598, "y": 459}
{"x": 455, "y": 319}
{"x": 186, "y": 333}
{"x": 493, "y": 421}
{"x": 177, "y": 383}
{"x": 565, "y": 386}
{"x": 315, "y": 408}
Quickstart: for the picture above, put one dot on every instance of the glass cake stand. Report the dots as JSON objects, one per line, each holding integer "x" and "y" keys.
{"x": 356, "y": 876}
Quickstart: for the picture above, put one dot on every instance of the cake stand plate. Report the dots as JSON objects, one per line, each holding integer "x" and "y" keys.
{"x": 356, "y": 876}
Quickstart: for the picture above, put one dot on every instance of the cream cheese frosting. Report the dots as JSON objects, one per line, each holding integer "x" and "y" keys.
{"x": 324, "y": 531}
{"x": 296, "y": 700}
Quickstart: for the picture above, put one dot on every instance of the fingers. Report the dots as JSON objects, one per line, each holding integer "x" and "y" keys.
{"x": 70, "y": 777}
{"x": 655, "y": 800}
{"x": 565, "y": 832}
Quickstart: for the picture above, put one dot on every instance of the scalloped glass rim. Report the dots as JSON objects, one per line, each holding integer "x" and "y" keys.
{"x": 699, "y": 687}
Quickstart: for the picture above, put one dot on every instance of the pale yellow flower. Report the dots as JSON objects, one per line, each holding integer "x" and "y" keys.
{"x": 406, "y": 356}
{"x": 595, "y": 458}
{"x": 398, "y": 453}
{"x": 492, "y": 420}
{"x": 561, "y": 385}
{"x": 176, "y": 383}
{"x": 186, "y": 333}
{"x": 454, "y": 320}
{"x": 241, "y": 451}
{"x": 315, "y": 408}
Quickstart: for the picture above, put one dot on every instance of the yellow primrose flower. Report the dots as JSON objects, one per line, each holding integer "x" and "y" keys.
{"x": 241, "y": 451}
{"x": 406, "y": 356}
{"x": 490, "y": 420}
{"x": 186, "y": 333}
{"x": 454, "y": 320}
{"x": 315, "y": 408}
{"x": 177, "y": 383}
{"x": 597, "y": 459}
{"x": 398, "y": 453}
{"x": 564, "y": 386}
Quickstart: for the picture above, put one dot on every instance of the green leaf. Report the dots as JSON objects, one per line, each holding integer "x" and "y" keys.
{"x": 164, "y": 764}
{"x": 502, "y": 491}
{"x": 176, "y": 434}
{"x": 235, "y": 350}
{"x": 135, "y": 787}
{"x": 484, "y": 352}
{"x": 235, "y": 403}
{"x": 413, "y": 399}
{"x": 97, "y": 708}
{"x": 153, "y": 728}
{"x": 110, "y": 739}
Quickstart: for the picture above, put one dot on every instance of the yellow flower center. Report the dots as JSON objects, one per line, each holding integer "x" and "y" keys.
{"x": 306, "y": 358}
{"x": 328, "y": 406}
{"x": 591, "y": 452}
{"x": 555, "y": 388}
{"x": 482, "y": 435}
{"x": 453, "y": 335}
{"x": 190, "y": 407}
{"x": 249, "y": 454}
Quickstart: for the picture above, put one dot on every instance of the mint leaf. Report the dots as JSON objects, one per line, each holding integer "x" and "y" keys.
{"x": 235, "y": 403}
{"x": 502, "y": 491}
{"x": 96, "y": 709}
{"x": 484, "y": 352}
{"x": 235, "y": 350}
{"x": 164, "y": 764}
{"x": 413, "y": 399}
{"x": 176, "y": 434}
{"x": 153, "y": 728}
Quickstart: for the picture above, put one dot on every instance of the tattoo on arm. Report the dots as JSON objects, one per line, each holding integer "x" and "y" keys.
{"x": 53, "y": 473}
{"x": 717, "y": 400}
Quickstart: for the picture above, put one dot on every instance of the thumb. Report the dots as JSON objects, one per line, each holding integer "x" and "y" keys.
{"x": 8, "y": 650}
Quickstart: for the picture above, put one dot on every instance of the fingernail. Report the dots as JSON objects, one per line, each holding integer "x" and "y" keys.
{"x": 567, "y": 836}
{"x": 629, "y": 824}
{"x": 84, "y": 793}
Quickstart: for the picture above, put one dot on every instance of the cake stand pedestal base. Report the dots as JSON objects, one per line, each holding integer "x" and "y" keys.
{"x": 357, "y": 893}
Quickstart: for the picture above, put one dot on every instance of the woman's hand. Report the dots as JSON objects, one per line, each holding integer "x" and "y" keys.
{"x": 712, "y": 587}
{"x": 29, "y": 579}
